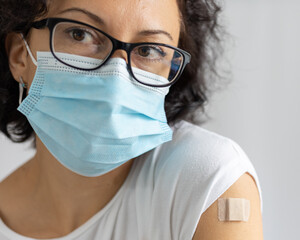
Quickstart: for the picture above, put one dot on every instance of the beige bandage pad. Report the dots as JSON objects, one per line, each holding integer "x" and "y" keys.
{"x": 233, "y": 209}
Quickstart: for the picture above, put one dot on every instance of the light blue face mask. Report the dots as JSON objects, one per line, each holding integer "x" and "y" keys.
{"x": 94, "y": 121}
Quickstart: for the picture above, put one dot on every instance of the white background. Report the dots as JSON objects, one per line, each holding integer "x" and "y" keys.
{"x": 259, "y": 109}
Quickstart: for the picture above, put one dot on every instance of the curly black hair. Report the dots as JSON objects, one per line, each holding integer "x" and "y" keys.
{"x": 200, "y": 35}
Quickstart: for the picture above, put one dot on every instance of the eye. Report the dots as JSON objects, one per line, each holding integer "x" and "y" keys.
{"x": 151, "y": 52}
{"x": 82, "y": 35}
{"x": 78, "y": 34}
{"x": 144, "y": 51}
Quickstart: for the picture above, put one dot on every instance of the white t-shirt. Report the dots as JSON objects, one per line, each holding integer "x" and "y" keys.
{"x": 167, "y": 189}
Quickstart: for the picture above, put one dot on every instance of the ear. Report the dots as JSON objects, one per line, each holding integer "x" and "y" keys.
{"x": 17, "y": 55}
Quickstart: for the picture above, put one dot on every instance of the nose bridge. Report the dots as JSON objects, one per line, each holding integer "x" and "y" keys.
{"x": 121, "y": 50}
{"x": 120, "y": 53}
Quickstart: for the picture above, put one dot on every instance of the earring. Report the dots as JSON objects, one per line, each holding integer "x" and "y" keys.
{"x": 22, "y": 82}
{"x": 22, "y": 85}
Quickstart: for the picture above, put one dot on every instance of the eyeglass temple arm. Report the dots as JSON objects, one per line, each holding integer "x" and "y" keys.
{"x": 40, "y": 24}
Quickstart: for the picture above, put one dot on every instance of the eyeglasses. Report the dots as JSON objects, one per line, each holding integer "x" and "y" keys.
{"x": 74, "y": 37}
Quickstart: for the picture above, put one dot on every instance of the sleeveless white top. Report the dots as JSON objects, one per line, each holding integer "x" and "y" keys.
{"x": 167, "y": 189}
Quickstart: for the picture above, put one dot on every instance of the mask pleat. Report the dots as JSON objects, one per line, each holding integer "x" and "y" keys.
{"x": 101, "y": 152}
{"x": 101, "y": 122}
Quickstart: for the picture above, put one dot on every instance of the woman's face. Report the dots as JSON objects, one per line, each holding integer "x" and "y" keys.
{"x": 126, "y": 20}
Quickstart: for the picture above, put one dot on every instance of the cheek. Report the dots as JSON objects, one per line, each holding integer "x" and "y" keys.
{"x": 38, "y": 41}
{"x": 30, "y": 73}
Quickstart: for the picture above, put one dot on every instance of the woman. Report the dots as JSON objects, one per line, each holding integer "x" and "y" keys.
{"x": 101, "y": 87}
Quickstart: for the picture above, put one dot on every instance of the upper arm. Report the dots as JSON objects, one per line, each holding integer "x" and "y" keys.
{"x": 210, "y": 228}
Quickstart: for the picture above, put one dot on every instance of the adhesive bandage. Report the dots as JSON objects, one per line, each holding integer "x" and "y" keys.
{"x": 233, "y": 209}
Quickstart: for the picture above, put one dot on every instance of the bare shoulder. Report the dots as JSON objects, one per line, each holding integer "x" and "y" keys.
{"x": 210, "y": 228}
{"x": 12, "y": 188}
{"x": 8, "y": 189}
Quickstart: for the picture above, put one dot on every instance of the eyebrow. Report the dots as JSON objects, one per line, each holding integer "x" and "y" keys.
{"x": 102, "y": 22}
{"x": 91, "y": 15}
{"x": 153, "y": 32}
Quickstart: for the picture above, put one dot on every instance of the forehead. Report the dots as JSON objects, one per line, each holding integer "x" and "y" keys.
{"x": 125, "y": 16}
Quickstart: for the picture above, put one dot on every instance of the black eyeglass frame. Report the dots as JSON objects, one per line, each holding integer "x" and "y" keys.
{"x": 117, "y": 44}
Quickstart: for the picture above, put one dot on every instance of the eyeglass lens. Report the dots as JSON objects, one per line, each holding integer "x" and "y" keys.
{"x": 77, "y": 39}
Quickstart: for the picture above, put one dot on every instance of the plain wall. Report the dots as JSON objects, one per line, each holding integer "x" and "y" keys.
{"x": 259, "y": 109}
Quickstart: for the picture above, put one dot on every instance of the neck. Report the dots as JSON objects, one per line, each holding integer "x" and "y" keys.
{"x": 62, "y": 199}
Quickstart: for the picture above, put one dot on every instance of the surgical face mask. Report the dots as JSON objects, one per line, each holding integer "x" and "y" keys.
{"x": 94, "y": 121}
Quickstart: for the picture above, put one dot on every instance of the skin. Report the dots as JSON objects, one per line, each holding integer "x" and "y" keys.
{"x": 43, "y": 199}
{"x": 210, "y": 228}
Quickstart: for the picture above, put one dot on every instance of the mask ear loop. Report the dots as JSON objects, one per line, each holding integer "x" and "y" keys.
{"x": 29, "y": 51}
{"x": 22, "y": 85}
